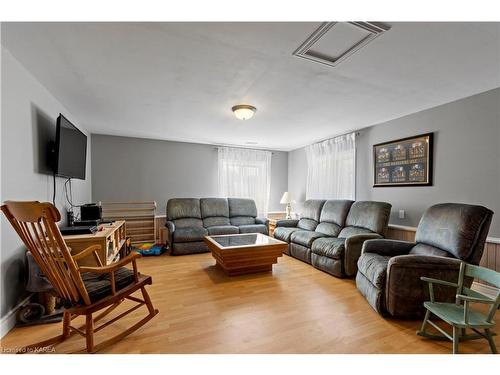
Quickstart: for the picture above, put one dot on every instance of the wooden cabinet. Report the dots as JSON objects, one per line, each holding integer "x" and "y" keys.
{"x": 272, "y": 218}
{"x": 271, "y": 226}
{"x": 111, "y": 237}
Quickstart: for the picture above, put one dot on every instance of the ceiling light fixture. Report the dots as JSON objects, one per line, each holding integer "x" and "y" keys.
{"x": 244, "y": 111}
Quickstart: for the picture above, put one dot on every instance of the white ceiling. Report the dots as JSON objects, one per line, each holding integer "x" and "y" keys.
{"x": 178, "y": 81}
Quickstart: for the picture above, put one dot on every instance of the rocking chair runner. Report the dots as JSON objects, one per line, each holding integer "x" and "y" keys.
{"x": 461, "y": 316}
{"x": 85, "y": 290}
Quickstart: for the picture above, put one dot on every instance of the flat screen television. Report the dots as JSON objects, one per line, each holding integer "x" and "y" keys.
{"x": 70, "y": 150}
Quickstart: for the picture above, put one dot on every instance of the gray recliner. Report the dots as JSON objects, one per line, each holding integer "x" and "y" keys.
{"x": 390, "y": 270}
{"x": 189, "y": 220}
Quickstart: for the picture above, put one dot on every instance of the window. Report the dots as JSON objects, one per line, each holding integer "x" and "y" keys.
{"x": 245, "y": 173}
{"x": 331, "y": 168}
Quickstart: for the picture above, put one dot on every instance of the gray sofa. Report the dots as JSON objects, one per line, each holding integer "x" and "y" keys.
{"x": 189, "y": 220}
{"x": 390, "y": 270}
{"x": 330, "y": 233}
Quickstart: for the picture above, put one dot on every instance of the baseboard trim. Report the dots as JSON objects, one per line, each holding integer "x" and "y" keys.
{"x": 9, "y": 320}
{"x": 487, "y": 290}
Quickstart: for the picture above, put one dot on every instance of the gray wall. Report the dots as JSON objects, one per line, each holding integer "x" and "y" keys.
{"x": 466, "y": 159}
{"x": 125, "y": 169}
{"x": 28, "y": 123}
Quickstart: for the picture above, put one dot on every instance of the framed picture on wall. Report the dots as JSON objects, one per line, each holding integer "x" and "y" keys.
{"x": 403, "y": 162}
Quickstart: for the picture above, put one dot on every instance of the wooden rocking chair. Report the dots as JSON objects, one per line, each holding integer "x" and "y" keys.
{"x": 460, "y": 315}
{"x": 84, "y": 290}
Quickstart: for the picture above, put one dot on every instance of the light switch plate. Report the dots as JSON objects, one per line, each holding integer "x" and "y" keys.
{"x": 402, "y": 214}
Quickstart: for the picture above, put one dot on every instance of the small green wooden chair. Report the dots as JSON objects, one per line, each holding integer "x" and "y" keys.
{"x": 461, "y": 316}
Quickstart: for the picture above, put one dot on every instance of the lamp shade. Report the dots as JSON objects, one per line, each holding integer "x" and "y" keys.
{"x": 286, "y": 198}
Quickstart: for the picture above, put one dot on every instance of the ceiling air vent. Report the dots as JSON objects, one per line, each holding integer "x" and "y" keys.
{"x": 333, "y": 42}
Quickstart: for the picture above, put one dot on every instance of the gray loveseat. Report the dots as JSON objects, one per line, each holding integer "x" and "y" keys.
{"x": 189, "y": 220}
{"x": 330, "y": 234}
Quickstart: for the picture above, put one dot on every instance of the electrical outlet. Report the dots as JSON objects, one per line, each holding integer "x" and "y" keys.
{"x": 402, "y": 214}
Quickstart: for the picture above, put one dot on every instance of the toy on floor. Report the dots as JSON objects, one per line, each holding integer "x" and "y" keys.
{"x": 147, "y": 249}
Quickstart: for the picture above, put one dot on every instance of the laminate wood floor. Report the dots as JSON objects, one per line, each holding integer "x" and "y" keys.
{"x": 294, "y": 309}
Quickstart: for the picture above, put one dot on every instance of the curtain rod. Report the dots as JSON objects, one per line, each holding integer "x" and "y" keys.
{"x": 244, "y": 148}
{"x": 356, "y": 133}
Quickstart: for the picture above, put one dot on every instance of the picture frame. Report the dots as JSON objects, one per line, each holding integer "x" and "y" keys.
{"x": 404, "y": 162}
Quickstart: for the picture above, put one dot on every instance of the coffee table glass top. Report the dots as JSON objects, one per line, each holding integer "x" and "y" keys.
{"x": 243, "y": 240}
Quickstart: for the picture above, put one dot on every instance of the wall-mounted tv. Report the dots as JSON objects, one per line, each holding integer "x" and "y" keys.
{"x": 70, "y": 150}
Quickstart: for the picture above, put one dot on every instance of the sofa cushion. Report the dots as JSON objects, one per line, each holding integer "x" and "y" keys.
{"x": 214, "y": 221}
{"x": 214, "y": 211}
{"x": 352, "y": 231}
{"x": 305, "y": 237}
{"x": 284, "y": 233}
{"x": 214, "y": 207}
{"x": 253, "y": 228}
{"x": 242, "y": 207}
{"x": 311, "y": 209}
{"x": 330, "y": 229}
{"x": 369, "y": 215}
{"x": 335, "y": 211}
{"x": 423, "y": 249}
{"x": 374, "y": 268}
{"x": 189, "y": 234}
{"x": 187, "y": 223}
{"x": 222, "y": 229}
{"x": 329, "y": 247}
{"x": 333, "y": 215}
{"x": 307, "y": 224}
{"x": 242, "y": 220}
{"x": 179, "y": 208}
{"x": 455, "y": 228}
{"x": 98, "y": 285}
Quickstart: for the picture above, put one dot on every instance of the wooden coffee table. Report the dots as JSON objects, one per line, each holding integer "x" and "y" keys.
{"x": 239, "y": 254}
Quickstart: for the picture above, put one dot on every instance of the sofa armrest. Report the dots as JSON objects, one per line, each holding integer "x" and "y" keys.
{"x": 261, "y": 220}
{"x": 287, "y": 223}
{"x": 405, "y": 290}
{"x": 387, "y": 247}
{"x": 353, "y": 246}
{"x": 171, "y": 228}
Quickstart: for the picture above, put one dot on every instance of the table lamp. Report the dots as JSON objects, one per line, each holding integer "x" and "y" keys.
{"x": 287, "y": 199}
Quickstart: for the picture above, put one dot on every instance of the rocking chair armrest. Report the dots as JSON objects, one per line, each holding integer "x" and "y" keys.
{"x": 475, "y": 299}
{"x": 112, "y": 267}
{"x": 431, "y": 281}
{"x": 131, "y": 258}
{"x": 89, "y": 250}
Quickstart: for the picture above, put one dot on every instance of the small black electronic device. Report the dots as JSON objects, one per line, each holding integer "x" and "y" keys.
{"x": 90, "y": 211}
{"x": 87, "y": 223}
{"x": 81, "y": 229}
{"x": 71, "y": 218}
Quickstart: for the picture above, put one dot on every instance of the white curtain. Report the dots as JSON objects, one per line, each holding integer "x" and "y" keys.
{"x": 331, "y": 168}
{"x": 245, "y": 173}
